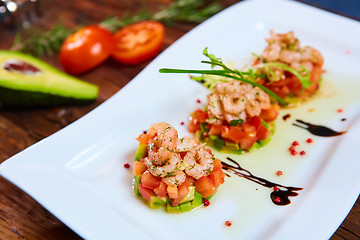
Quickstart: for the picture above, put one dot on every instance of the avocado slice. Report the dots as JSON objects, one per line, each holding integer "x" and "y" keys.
{"x": 185, "y": 207}
{"x": 140, "y": 152}
{"x": 136, "y": 182}
{"x": 171, "y": 209}
{"x": 198, "y": 200}
{"x": 26, "y": 81}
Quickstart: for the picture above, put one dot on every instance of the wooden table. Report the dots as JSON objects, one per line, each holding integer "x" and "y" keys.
{"x": 21, "y": 217}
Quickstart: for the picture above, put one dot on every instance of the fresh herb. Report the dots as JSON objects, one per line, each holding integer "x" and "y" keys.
{"x": 236, "y": 122}
{"x": 304, "y": 79}
{"x": 187, "y": 11}
{"x": 226, "y": 72}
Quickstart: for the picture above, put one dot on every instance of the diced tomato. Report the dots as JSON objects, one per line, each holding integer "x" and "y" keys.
{"x": 194, "y": 126}
{"x": 225, "y": 132}
{"x": 139, "y": 168}
{"x": 190, "y": 181}
{"x": 205, "y": 186}
{"x": 235, "y": 134}
{"x": 262, "y": 133}
{"x": 200, "y": 115}
{"x": 255, "y": 121}
{"x": 270, "y": 114}
{"x": 143, "y": 138}
{"x": 150, "y": 181}
{"x": 217, "y": 177}
{"x": 249, "y": 129}
{"x": 246, "y": 143}
{"x": 172, "y": 191}
{"x": 217, "y": 165}
{"x": 161, "y": 190}
{"x": 145, "y": 192}
{"x": 183, "y": 191}
{"x": 215, "y": 129}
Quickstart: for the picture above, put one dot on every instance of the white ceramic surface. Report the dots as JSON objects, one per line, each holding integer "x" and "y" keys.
{"x": 78, "y": 174}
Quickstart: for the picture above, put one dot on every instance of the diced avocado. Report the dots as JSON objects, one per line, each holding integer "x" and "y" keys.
{"x": 190, "y": 196}
{"x": 198, "y": 200}
{"x": 203, "y": 126}
{"x": 265, "y": 141}
{"x": 218, "y": 143}
{"x": 140, "y": 152}
{"x": 208, "y": 198}
{"x": 199, "y": 135}
{"x": 185, "y": 207}
{"x": 232, "y": 146}
{"x": 136, "y": 182}
{"x": 154, "y": 205}
{"x": 256, "y": 145}
{"x": 27, "y": 81}
{"x": 155, "y": 199}
{"x": 171, "y": 209}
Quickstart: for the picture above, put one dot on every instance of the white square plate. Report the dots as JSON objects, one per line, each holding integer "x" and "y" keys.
{"x": 78, "y": 174}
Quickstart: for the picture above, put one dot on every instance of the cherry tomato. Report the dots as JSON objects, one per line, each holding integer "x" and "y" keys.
{"x": 138, "y": 42}
{"x": 86, "y": 48}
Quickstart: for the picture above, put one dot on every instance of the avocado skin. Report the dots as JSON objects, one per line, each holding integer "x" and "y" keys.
{"x": 51, "y": 87}
{"x": 10, "y": 98}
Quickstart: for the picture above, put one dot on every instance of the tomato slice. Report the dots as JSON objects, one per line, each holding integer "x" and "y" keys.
{"x": 138, "y": 42}
{"x": 86, "y": 48}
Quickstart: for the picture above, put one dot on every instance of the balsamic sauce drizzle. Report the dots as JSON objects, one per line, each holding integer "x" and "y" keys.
{"x": 318, "y": 130}
{"x": 279, "y": 196}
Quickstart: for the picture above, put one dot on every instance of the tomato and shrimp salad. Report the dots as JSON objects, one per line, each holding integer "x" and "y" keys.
{"x": 238, "y": 117}
{"x": 290, "y": 71}
{"x": 177, "y": 173}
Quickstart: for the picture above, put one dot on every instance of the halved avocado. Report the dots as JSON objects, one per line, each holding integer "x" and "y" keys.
{"x": 27, "y": 81}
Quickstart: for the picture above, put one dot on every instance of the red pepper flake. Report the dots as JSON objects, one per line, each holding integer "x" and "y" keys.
{"x": 277, "y": 199}
{"x": 182, "y": 123}
{"x": 339, "y": 110}
{"x": 295, "y": 143}
{"x": 279, "y": 173}
{"x": 126, "y": 165}
{"x": 206, "y": 202}
{"x": 294, "y": 152}
{"x": 228, "y": 223}
{"x": 309, "y": 140}
{"x": 198, "y": 100}
{"x": 276, "y": 189}
{"x": 291, "y": 149}
{"x": 302, "y": 153}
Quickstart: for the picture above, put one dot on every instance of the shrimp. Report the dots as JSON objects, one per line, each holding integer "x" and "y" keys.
{"x": 175, "y": 178}
{"x": 214, "y": 106}
{"x": 168, "y": 167}
{"x": 200, "y": 162}
{"x": 164, "y": 141}
{"x": 186, "y": 143}
{"x": 257, "y": 100}
{"x": 231, "y": 87}
{"x": 234, "y": 103}
{"x": 312, "y": 55}
{"x": 272, "y": 52}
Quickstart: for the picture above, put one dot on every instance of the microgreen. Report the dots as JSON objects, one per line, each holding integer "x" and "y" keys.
{"x": 226, "y": 72}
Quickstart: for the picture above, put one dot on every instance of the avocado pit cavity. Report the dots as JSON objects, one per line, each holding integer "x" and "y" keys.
{"x": 13, "y": 65}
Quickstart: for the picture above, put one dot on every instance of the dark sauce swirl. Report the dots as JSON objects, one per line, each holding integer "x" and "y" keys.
{"x": 280, "y": 195}
{"x": 317, "y": 130}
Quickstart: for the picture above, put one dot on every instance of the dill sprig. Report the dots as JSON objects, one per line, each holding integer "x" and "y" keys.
{"x": 226, "y": 72}
{"x": 187, "y": 11}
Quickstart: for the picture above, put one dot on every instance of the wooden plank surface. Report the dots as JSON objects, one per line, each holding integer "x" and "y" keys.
{"x": 21, "y": 217}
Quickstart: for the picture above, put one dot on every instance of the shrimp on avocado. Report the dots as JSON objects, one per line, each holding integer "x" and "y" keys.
{"x": 237, "y": 118}
{"x": 291, "y": 71}
{"x": 177, "y": 173}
